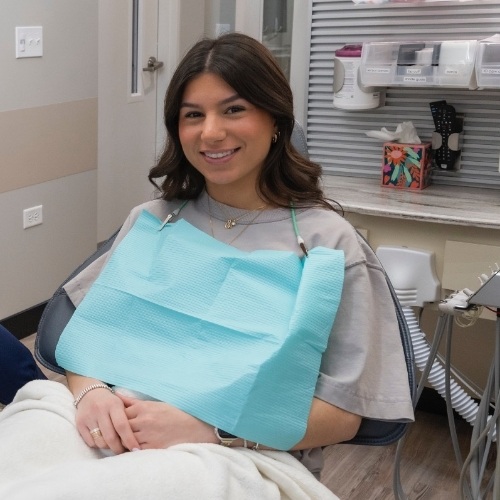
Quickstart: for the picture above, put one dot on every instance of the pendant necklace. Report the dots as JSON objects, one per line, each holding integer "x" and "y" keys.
{"x": 231, "y": 221}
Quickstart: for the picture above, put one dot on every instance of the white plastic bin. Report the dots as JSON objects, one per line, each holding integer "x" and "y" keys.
{"x": 488, "y": 63}
{"x": 378, "y": 63}
{"x": 419, "y": 63}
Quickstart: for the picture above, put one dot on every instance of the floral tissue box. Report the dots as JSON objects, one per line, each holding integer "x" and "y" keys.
{"x": 407, "y": 166}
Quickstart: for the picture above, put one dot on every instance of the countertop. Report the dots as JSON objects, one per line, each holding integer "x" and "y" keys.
{"x": 475, "y": 207}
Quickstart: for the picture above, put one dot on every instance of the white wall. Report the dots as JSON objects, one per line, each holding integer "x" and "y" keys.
{"x": 54, "y": 163}
{"x": 34, "y": 262}
{"x": 49, "y": 137}
{"x": 68, "y": 69}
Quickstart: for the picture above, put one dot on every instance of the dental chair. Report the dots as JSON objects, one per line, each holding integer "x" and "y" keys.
{"x": 59, "y": 310}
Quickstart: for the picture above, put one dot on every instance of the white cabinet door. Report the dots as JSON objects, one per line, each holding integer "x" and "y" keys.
{"x": 126, "y": 113}
{"x": 131, "y": 130}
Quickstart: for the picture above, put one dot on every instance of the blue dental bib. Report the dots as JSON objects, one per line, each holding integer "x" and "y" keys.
{"x": 233, "y": 338}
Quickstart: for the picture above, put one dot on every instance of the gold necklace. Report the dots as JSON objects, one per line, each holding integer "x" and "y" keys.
{"x": 231, "y": 221}
{"x": 259, "y": 211}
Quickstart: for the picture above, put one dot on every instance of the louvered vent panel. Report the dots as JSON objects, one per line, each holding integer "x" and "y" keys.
{"x": 337, "y": 139}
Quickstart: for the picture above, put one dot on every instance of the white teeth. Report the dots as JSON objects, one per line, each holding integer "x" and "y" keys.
{"x": 219, "y": 155}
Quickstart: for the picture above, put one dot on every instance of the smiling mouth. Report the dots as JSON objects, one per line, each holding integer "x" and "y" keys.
{"x": 220, "y": 154}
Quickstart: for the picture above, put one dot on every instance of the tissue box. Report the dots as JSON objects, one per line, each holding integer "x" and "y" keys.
{"x": 407, "y": 166}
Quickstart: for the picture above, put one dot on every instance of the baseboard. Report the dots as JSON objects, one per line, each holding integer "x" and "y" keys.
{"x": 25, "y": 323}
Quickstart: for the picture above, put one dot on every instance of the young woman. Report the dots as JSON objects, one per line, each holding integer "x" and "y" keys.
{"x": 238, "y": 324}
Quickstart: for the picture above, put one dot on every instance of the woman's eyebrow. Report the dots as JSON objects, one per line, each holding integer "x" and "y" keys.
{"x": 187, "y": 104}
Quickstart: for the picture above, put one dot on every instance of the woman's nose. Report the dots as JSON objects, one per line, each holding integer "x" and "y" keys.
{"x": 213, "y": 129}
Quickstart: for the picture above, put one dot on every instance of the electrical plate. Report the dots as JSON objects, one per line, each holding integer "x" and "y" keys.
{"x": 29, "y": 41}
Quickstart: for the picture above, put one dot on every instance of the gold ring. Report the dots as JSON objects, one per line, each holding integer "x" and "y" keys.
{"x": 95, "y": 433}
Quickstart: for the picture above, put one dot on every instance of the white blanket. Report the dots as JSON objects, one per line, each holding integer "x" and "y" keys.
{"x": 42, "y": 456}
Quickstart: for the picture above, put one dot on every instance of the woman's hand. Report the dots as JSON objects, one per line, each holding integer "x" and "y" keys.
{"x": 159, "y": 425}
{"x": 103, "y": 410}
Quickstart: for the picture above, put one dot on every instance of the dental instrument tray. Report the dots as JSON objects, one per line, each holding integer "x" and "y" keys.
{"x": 489, "y": 292}
{"x": 419, "y": 63}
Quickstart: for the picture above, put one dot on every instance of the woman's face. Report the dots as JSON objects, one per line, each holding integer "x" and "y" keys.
{"x": 224, "y": 137}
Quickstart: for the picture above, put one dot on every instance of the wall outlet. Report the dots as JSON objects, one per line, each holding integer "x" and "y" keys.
{"x": 32, "y": 216}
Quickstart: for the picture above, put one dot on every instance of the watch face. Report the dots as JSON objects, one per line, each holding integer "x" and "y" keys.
{"x": 226, "y": 435}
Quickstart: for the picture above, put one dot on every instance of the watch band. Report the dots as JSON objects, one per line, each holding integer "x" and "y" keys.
{"x": 225, "y": 438}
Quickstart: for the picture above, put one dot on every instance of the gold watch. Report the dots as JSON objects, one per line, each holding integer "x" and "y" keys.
{"x": 225, "y": 438}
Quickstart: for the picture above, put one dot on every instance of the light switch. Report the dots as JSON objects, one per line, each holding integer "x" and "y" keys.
{"x": 29, "y": 41}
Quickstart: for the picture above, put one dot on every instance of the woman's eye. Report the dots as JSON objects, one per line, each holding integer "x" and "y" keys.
{"x": 192, "y": 114}
{"x": 234, "y": 109}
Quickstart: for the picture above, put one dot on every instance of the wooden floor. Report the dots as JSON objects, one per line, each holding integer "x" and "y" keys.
{"x": 428, "y": 466}
{"x": 429, "y": 470}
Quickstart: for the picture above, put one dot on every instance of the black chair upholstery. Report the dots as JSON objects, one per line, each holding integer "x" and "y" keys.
{"x": 298, "y": 140}
{"x": 59, "y": 310}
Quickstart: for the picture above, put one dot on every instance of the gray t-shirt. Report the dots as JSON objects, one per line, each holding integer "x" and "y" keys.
{"x": 363, "y": 368}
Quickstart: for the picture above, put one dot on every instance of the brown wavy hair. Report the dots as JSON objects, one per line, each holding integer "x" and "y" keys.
{"x": 251, "y": 70}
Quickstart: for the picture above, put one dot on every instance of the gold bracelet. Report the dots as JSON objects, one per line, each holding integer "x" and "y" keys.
{"x": 88, "y": 389}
